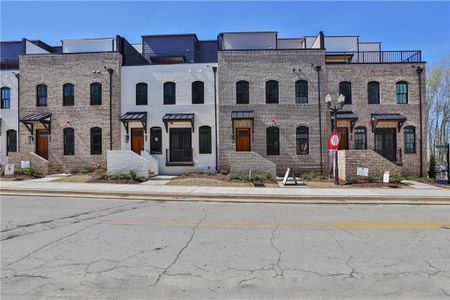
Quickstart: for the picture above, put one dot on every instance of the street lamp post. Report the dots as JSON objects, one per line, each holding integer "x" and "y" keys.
{"x": 334, "y": 109}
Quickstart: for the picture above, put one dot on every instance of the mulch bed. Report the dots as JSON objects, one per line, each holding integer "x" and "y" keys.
{"x": 18, "y": 177}
{"x": 226, "y": 178}
{"x": 99, "y": 179}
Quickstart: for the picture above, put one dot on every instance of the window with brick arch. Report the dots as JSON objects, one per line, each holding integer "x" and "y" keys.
{"x": 11, "y": 141}
{"x": 169, "y": 93}
{"x": 96, "y": 141}
{"x": 141, "y": 93}
{"x": 69, "y": 141}
{"x": 96, "y": 93}
{"x": 301, "y": 91}
{"x": 68, "y": 94}
{"x": 41, "y": 95}
{"x": 198, "y": 92}
{"x": 410, "y": 139}
{"x": 402, "y": 92}
{"x": 360, "y": 138}
{"x": 345, "y": 88}
{"x": 272, "y": 92}
{"x": 302, "y": 140}
{"x": 273, "y": 140}
{"x": 373, "y": 92}
{"x": 242, "y": 92}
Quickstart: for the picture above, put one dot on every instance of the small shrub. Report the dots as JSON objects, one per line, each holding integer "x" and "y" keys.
{"x": 224, "y": 172}
{"x": 432, "y": 167}
{"x": 132, "y": 174}
{"x": 99, "y": 170}
{"x": 351, "y": 180}
{"x": 118, "y": 176}
{"x": 372, "y": 178}
{"x": 85, "y": 170}
{"x": 396, "y": 179}
{"x": 31, "y": 171}
{"x": 323, "y": 177}
{"x": 268, "y": 176}
{"x": 210, "y": 173}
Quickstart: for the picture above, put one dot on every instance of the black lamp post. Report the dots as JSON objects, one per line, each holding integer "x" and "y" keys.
{"x": 334, "y": 109}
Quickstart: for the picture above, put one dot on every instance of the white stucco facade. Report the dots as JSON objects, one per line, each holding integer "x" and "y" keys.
{"x": 182, "y": 75}
{"x": 8, "y": 116}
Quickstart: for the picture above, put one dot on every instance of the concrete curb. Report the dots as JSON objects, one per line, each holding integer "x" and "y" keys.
{"x": 299, "y": 199}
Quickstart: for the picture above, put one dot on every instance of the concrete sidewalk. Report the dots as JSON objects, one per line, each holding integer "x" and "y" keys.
{"x": 226, "y": 194}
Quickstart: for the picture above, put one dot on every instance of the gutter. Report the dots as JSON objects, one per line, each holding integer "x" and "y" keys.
{"x": 110, "y": 72}
{"x": 419, "y": 71}
{"x": 318, "y": 68}
{"x": 215, "y": 116}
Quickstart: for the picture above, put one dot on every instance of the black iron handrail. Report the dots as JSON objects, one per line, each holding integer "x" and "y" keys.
{"x": 407, "y": 56}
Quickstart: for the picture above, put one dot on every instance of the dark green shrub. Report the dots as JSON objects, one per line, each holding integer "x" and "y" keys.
{"x": 432, "y": 167}
{"x": 31, "y": 171}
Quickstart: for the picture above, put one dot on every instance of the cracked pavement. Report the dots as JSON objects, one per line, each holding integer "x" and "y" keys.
{"x": 100, "y": 248}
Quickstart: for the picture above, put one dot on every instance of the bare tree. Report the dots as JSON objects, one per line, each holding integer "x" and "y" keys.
{"x": 438, "y": 95}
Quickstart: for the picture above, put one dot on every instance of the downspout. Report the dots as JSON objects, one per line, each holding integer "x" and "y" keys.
{"x": 18, "y": 110}
{"x": 215, "y": 116}
{"x": 110, "y": 72}
{"x": 419, "y": 72}
{"x": 318, "y": 68}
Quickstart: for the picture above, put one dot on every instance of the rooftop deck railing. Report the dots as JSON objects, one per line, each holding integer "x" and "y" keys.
{"x": 410, "y": 56}
{"x": 9, "y": 63}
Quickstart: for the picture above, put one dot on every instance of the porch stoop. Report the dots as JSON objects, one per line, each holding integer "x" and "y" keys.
{"x": 350, "y": 160}
{"x": 243, "y": 162}
{"x": 36, "y": 161}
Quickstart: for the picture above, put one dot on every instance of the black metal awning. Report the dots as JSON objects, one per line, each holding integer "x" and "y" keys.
{"x": 178, "y": 117}
{"x": 388, "y": 117}
{"x": 43, "y": 118}
{"x": 140, "y": 116}
{"x": 242, "y": 115}
{"x": 347, "y": 116}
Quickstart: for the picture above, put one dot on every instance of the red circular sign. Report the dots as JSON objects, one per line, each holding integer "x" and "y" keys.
{"x": 333, "y": 140}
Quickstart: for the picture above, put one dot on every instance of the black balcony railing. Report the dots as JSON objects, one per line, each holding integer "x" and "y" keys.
{"x": 9, "y": 63}
{"x": 178, "y": 156}
{"x": 412, "y": 56}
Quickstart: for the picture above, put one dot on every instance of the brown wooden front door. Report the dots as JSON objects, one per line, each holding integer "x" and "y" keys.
{"x": 137, "y": 140}
{"x": 42, "y": 143}
{"x": 343, "y": 143}
{"x": 243, "y": 139}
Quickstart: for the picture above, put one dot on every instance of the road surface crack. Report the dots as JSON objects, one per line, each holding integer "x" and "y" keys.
{"x": 180, "y": 252}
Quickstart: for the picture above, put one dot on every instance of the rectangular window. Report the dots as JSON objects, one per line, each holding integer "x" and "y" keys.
{"x": 373, "y": 92}
{"x": 410, "y": 140}
{"x": 69, "y": 141}
{"x": 96, "y": 141}
{"x": 205, "y": 140}
{"x": 169, "y": 93}
{"x": 402, "y": 93}
{"x": 68, "y": 95}
{"x": 96, "y": 93}
{"x": 360, "y": 138}
{"x": 41, "y": 95}
{"x": 6, "y": 98}
{"x": 155, "y": 140}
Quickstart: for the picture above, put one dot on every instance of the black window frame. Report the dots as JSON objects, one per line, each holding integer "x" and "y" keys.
{"x": 398, "y": 93}
{"x": 360, "y": 138}
{"x": 242, "y": 92}
{"x": 141, "y": 93}
{"x": 96, "y": 141}
{"x": 345, "y": 88}
{"x": 156, "y": 145}
{"x": 272, "y": 92}
{"x": 5, "y": 100}
{"x": 69, "y": 141}
{"x": 96, "y": 99}
{"x": 301, "y": 91}
{"x": 68, "y": 94}
{"x": 198, "y": 92}
{"x": 204, "y": 140}
{"x": 11, "y": 147}
{"x": 373, "y": 92}
{"x": 272, "y": 140}
{"x": 41, "y": 95}
{"x": 302, "y": 137}
{"x": 169, "y": 93}
{"x": 410, "y": 140}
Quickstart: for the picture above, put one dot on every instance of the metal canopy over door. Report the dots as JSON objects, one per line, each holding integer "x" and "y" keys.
{"x": 180, "y": 145}
{"x": 343, "y": 142}
{"x": 243, "y": 139}
{"x": 385, "y": 143}
{"x": 42, "y": 143}
{"x": 137, "y": 140}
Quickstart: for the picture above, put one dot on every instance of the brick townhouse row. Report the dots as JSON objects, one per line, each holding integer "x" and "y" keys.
{"x": 238, "y": 102}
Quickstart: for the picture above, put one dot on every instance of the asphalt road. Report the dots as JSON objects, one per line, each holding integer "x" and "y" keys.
{"x": 90, "y": 249}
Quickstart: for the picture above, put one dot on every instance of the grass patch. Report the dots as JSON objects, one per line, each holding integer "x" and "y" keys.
{"x": 79, "y": 178}
{"x": 207, "y": 182}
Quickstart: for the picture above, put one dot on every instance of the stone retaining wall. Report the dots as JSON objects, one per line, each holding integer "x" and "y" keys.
{"x": 37, "y": 162}
{"x": 244, "y": 162}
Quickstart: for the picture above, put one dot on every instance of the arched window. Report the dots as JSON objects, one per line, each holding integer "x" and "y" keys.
{"x": 155, "y": 140}
{"x": 198, "y": 92}
{"x": 273, "y": 140}
{"x": 360, "y": 138}
{"x": 302, "y": 140}
{"x": 402, "y": 92}
{"x": 169, "y": 93}
{"x": 373, "y": 92}
{"x": 96, "y": 141}
{"x": 6, "y": 98}
{"x": 242, "y": 92}
{"x": 41, "y": 95}
{"x": 410, "y": 139}
{"x": 141, "y": 93}
{"x": 204, "y": 140}
{"x": 68, "y": 94}
{"x": 301, "y": 91}
{"x": 272, "y": 91}
{"x": 69, "y": 141}
{"x": 96, "y": 93}
{"x": 345, "y": 88}
{"x": 11, "y": 141}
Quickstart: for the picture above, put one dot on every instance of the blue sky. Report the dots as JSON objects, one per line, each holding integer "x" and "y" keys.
{"x": 399, "y": 25}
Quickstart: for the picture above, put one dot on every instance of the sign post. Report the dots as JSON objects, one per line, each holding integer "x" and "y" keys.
{"x": 333, "y": 146}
